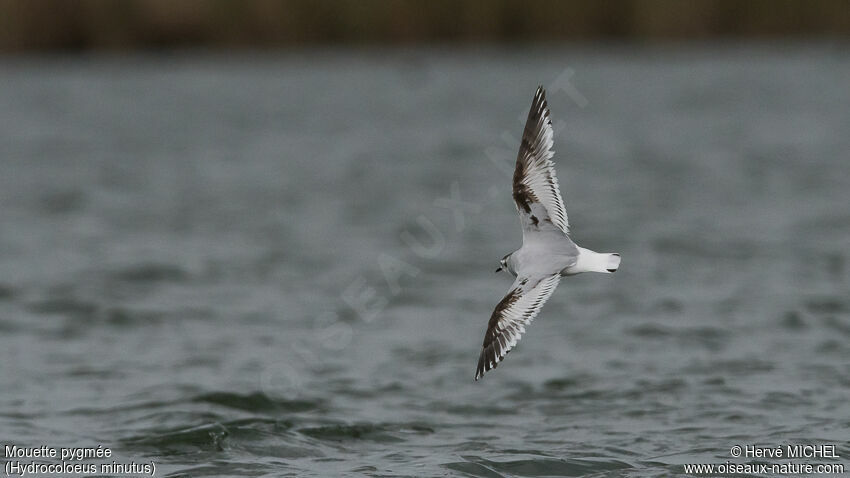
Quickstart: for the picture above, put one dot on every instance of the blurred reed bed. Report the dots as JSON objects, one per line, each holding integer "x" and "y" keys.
{"x": 128, "y": 24}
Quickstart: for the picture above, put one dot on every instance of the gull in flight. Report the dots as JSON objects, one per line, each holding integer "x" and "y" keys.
{"x": 547, "y": 252}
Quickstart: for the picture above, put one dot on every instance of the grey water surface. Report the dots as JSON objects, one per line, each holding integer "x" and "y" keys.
{"x": 282, "y": 264}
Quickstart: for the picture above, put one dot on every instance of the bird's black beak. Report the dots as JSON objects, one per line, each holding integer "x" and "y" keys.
{"x": 497, "y": 270}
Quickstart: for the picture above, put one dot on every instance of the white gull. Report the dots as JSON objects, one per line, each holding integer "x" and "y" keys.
{"x": 547, "y": 252}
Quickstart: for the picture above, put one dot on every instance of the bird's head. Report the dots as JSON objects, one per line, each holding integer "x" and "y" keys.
{"x": 503, "y": 264}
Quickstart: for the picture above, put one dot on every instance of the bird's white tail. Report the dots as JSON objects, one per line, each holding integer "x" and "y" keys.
{"x": 613, "y": 262}
{"x": 590, "y": 261}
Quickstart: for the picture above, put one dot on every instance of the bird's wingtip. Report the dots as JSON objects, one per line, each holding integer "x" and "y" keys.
{"x": 481, "y": 369}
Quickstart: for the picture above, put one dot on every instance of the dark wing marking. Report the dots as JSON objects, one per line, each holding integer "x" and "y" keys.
{"x": 535, "y": 186}
{"x": 513, "y": 313}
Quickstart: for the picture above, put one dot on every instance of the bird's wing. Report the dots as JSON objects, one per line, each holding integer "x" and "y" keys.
{"x": 512, "y": 314}
{"x": 535, "y": 187}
